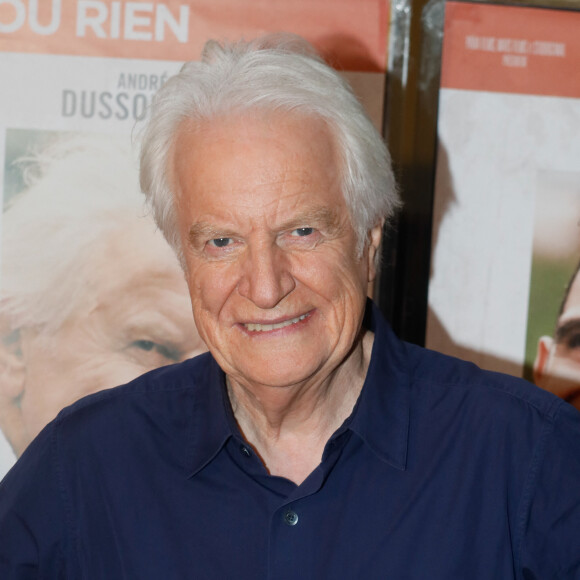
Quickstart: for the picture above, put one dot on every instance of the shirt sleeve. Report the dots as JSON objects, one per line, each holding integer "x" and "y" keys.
{"x": 551, "y": 520}
{"x": 32, "y": 518}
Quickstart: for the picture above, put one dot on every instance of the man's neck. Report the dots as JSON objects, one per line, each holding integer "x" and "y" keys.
{"x": 288, "y": 427}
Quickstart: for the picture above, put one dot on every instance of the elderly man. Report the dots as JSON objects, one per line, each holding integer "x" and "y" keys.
{"x": 557, "y": 364}
{"x": 309, "y": 442}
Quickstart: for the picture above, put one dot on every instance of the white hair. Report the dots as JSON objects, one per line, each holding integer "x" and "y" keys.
{"x": 277, "y": 73}
{"x": 78, "y": 189}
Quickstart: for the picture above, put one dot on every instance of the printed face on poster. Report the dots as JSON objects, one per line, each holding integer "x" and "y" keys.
{"x": 91, "y": 295}
{"x": 507, "y": 196}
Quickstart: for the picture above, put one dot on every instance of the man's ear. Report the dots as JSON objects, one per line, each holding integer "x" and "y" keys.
{"x": 12, "y": 382}
{"x": 542, "y": 357}
{"x": 375, "y": 237}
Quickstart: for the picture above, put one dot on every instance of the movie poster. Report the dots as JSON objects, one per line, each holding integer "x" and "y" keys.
{"x": 506, "y": 226}
{"x": 91, "y": 295}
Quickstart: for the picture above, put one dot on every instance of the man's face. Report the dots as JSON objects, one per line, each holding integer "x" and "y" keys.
{"x": 557, "y": 365}
{"x": 135, "y": 317}
{"x": 277, "y": 289}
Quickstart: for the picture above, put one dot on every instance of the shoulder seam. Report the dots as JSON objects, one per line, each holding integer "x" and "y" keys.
{"x": 550, "y": 411}
{"x": 128, "y": 389}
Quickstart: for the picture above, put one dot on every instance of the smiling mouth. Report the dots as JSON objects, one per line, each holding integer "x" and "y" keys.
{"x": 252, "y": 327}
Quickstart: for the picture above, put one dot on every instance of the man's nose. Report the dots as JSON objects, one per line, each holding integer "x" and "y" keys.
{"x": 266, "y": 278}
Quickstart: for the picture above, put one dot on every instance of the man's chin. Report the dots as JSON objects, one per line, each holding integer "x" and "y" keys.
{"x": 574, "y": 398}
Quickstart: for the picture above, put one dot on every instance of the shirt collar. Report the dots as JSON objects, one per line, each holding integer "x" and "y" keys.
{"x": 209, "y": 429}
{"x": 380, "y": 417}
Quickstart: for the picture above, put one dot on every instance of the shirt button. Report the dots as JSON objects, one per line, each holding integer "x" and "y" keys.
{"x": 290, "y": 518}
{"x": 245, "y": 451}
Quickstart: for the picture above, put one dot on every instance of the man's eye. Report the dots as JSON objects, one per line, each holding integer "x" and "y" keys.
{"x": 156, "y": 349}
{"x": 144, "y": 344}
{"x": 220, "y": 242}
{"x": 302, "y": 232}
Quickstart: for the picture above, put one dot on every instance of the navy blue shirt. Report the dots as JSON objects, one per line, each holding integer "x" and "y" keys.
{"x": 442, "y": 471}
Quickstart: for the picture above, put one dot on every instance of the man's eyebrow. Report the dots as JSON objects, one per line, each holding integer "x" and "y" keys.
{"x": 566, "y": 329}
{"x": 320, "y": 217}
{"x": 204, "y": 231}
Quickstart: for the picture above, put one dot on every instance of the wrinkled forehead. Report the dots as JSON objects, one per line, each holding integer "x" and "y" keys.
{"x": 300, "y": 137}
{"x": 133, "y": 247}
{"x": 278, "y": 119}
{"x": 129, "y": 255}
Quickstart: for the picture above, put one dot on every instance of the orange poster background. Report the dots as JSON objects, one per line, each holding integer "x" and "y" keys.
{"x": 511, "y": 49}
{"x": 351, "y": 34}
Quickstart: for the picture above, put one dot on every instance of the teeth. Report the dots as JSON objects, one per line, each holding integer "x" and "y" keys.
{"x": 266, "y": 327}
